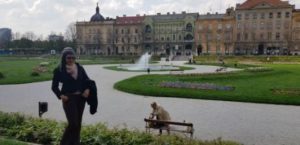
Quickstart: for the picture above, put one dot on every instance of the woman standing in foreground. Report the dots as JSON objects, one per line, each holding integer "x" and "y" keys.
{"x": 73, "y": 94}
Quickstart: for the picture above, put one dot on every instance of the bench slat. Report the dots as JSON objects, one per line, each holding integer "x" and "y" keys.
{"x": 169, "y": 122}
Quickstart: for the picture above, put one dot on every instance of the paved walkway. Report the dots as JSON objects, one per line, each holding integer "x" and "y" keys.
{"x": 248, "y": 123}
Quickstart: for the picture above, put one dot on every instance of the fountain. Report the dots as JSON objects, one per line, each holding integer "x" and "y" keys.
{"x": 143, "y": 65}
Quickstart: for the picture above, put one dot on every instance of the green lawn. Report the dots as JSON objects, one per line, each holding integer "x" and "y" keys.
{"x": 249, "y": 86}
{"x": 18, "y": 69}
{"x": 5, "y": 141}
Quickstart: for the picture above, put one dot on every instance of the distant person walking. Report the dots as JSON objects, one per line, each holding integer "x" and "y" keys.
{"x": 73, "y": 94}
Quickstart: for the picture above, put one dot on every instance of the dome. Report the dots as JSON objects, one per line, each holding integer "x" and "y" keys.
{"x": 97, "y": 17}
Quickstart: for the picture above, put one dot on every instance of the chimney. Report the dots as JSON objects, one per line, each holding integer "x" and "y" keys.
{"x": 137, "y": 15}
{"x": 124, "y": 15}
{"x": 158, "y": 14}
{"x": 174, "y": 13}
{"x": 183, "y": 12}
{"x": 168, "y": 13}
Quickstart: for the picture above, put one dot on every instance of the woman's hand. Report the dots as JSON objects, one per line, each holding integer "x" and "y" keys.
{"x": 86, "y": 93}
{"x": 64, "y": 98}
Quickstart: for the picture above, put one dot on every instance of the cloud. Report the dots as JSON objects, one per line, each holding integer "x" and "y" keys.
{"x": 45, "y": 16}
{"x": 33, "y": 7}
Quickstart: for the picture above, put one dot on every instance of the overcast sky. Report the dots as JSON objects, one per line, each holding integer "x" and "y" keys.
{"x": 46, "y": 16}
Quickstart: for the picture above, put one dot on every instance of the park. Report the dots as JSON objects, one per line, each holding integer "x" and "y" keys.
{"x": 262, "y": 98}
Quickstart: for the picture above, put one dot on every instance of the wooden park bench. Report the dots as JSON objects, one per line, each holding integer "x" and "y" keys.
{"x": 189, "y": 126}
{"x": 175, "y": 72}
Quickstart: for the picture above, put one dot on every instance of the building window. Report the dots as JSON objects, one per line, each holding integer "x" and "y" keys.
{"x": 228, "y": 26}
{"x": 148, "y": 29}
{"x": 262, "y": 25}
{"x": 117, "y": 31}
{"x": 253, "y": 36}
{"x": 128, "y": 31}
{"x": 200, "y": 27}
{"x": 262, "y": 15}
{"x": 209, "y": 27}
{"x": 254, "y": 16}
{"x": 136, "y": 31}
{"x": 270, "y": 26}
{"x": 122, "y": 31}
{"x": 287, "y": 14}
{"x": 278, "y": 24}
{"x": 239, "y": 16}
{"x": 246, "y": 16}
{"x": 219, "y": 26}
{"x": 189, "y": 27}
{"x": 162, "y": 39}
{"x": 239, "y": 26}
{"x": 262, "y": 36}
{"x": 270, "y": 15}
{"x": 239, "y": 36}
{"x": 279, "y": 15}
{"x": 277, "y": 36}
{"x": 218, "y": 37}
{"x": 254, "y": 25}
{"x": 286, "y": 25}
{"x": 246, "y": 36}
{"x": 174, "y": 37}
{"x": 269, "y": 35}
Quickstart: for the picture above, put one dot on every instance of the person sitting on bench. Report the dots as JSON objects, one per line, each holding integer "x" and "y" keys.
{"x": 159, "y": 113}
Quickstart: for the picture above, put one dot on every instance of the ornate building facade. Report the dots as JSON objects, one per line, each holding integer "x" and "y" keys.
{"x": 255, "y": 27}
{"x": 295, "y": 46}
{"x": 96, "y": 36}
{"x": 263, "y": 27}
{"x": 170, "y": 34}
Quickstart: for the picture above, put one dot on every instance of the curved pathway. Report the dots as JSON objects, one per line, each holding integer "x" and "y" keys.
{"x": 248, "y": 123}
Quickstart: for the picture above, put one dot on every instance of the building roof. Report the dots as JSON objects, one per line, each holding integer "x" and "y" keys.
{"x": 172, "y": 16}
{"x": 97, "y": 17}
{"x": 129, "y": 20}
{"x": 211, "y": 16}
{"x": 252, "y": 3}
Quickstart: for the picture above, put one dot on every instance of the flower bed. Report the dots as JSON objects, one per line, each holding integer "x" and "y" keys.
{"x": 200, "y": 86}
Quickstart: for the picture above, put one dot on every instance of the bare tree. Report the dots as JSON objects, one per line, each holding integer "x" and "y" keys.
{"x": 16, "y": 36}
{"x": 29, "y": 35}
{"x": 71, "y": 33}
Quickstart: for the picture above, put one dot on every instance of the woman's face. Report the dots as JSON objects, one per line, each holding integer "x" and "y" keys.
{"x": 70, "y": 59}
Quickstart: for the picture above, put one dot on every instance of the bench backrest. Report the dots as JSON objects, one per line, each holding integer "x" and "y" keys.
{"x": 169, "y": 122}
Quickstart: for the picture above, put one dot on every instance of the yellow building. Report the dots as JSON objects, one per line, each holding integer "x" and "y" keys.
{"x": 95, "y": 36}
{"x": 128, "y": 35}
{"x": 295, "y": 47}
{"x": 215, "y": 34}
